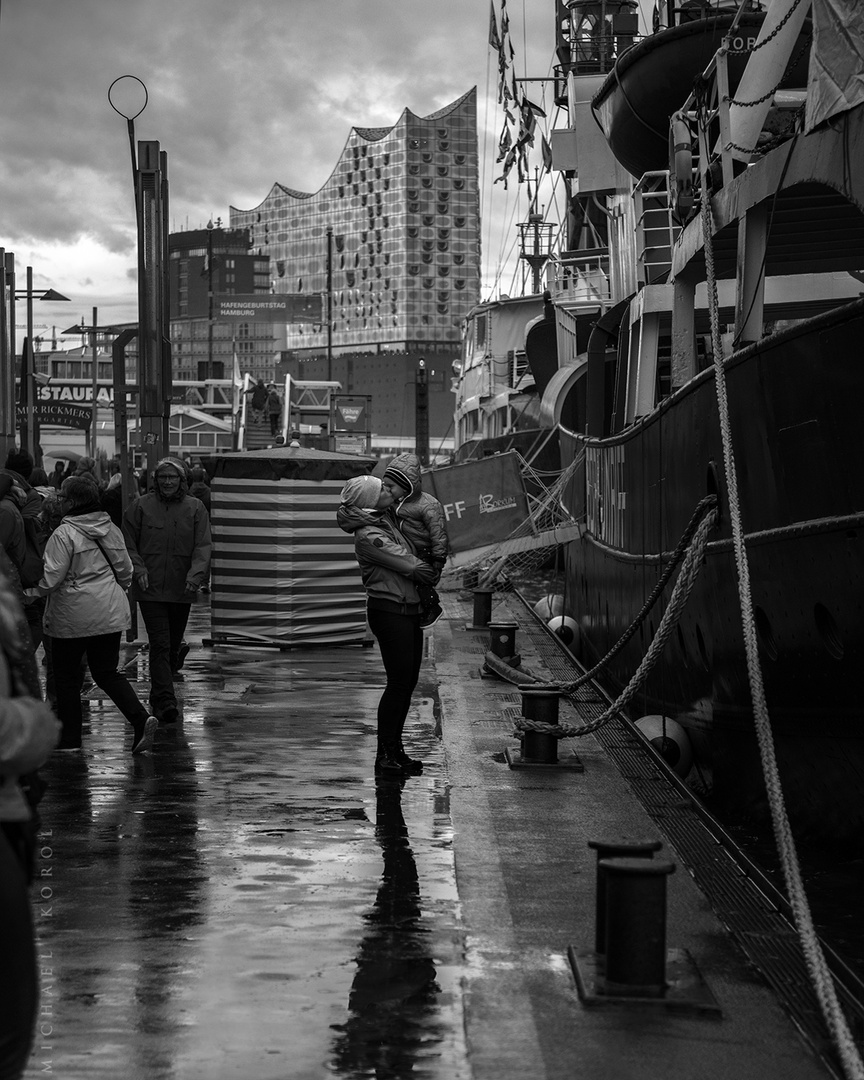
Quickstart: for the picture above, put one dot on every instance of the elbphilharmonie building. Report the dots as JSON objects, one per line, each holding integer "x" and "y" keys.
{"x": 398, "y": 226}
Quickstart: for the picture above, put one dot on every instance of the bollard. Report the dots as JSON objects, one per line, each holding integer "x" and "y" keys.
{"x": 542, "y": 707}
{"x": 611, "y": 849}
{"x": 502, "y": 639}
{"x": 635, "y": 926}
{"x": 482, "y": 607}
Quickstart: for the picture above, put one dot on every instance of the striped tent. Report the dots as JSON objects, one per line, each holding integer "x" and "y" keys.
{"x": 283, "y": 572}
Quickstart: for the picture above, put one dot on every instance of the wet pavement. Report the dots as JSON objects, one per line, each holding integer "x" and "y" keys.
{"x": 246, "y": 902}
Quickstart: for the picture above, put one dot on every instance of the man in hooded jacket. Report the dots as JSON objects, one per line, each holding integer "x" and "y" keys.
{"x": 168, "y": 536}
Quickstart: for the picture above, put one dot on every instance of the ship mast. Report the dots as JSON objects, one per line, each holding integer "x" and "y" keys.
{"x": 535, "y": 239}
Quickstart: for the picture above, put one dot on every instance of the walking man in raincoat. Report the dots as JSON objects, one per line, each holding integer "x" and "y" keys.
{"x": 168, "y": 536}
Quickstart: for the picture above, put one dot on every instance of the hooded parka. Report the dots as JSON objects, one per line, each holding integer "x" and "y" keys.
{"x": 387, "y": 566}
{"x": 420, "y": 515}
{"x": 169, "y": 539}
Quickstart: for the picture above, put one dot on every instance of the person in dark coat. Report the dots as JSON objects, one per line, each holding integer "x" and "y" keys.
{"x": 28, "y": 733}
{"x": 57, "y": 475}
{"x": 258, "y": 401}
{"x": 168, "y": 536}
{"x": 274, "y": 408}
{"x": 390, "y": 572}
{"x": 199, "y": 487}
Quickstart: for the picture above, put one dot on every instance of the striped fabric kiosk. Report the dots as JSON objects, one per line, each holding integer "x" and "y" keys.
{"x": 283, "y": 572}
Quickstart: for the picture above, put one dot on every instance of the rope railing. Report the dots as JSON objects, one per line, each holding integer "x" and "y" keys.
{"x": 680, "y": 594}
{"x": 706, "y": 504}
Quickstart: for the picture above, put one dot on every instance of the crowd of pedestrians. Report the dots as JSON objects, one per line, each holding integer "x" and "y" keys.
{"x": 73, "y": 556}
{"x": 69, "y": 554}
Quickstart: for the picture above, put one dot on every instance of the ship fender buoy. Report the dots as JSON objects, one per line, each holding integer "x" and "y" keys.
{"x": 670, "y": 740}
{"x": 549, "y": 607}
{"x": 562, "y": 626}
{"x": 681, "y": 167}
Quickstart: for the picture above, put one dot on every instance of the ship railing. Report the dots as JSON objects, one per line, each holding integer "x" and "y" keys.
{"x": 656, "y": 231}
{"x": 580, "y": 278}
{"x": 706, "y": 113}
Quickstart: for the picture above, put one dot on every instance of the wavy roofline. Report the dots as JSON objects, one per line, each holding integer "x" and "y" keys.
{"x": 368, "y": 135}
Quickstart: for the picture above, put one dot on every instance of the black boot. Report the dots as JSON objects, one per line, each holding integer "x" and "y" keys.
{"x": 386, "y": 760}
{"x": 410, "y": 765}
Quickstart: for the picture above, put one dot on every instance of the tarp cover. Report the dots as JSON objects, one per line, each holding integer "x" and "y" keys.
{"x": 283, "y": 571}
{"x": 836, "y": 79}
{"x": 484, "y": 501}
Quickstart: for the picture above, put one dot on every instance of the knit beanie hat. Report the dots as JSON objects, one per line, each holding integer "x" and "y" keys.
{"x": 401, "y": 478}
{"x": 362, "y": 492}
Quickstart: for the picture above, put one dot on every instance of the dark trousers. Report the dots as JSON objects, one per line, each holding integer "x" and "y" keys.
{"x": 274, "y": 422}
{"x": 166, "y": 625}
{"x": 19, "y": 995}
{"x": 103, "y": 655}
{"x": 400, "y": 640}
{"x": 34, "y": 609}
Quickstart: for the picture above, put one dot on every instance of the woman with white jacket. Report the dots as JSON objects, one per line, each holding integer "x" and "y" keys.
{"x": 86, "y": 575}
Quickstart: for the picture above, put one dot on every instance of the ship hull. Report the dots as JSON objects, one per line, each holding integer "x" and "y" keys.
{"x": 795, "y": 402}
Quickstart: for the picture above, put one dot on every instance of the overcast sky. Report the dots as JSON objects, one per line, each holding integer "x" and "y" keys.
{"x": 242, "y": 93}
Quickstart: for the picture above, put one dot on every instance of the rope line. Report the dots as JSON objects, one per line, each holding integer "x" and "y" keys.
{"x": 680, "y": 594}
{"x": 814, "y": 959}
{"x": 702, "y": 508}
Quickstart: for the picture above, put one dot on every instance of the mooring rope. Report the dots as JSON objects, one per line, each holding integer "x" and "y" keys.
{"x": 702, "y": 508}
{"x": 677, "y": 601}
{"x": 814, "y": 958}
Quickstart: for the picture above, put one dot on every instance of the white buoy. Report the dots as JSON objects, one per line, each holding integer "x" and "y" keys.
{"x": 567, "y": 629}
{"x": 670, "y": 740}
{"x": 549, "y": 607}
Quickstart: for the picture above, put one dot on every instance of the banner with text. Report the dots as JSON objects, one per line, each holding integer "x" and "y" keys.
{"x": 269, "y": 307}
{"x": 484, "y": 501}
{"x": 58, "y": 414}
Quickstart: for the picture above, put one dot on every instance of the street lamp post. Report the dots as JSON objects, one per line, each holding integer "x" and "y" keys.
{"x": 28, "y": 373}
{"x": 93, "y": 331}
{"x": 209, "y": 390}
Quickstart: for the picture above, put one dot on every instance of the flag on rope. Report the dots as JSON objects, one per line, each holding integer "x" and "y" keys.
{"x": 494, "y": 39}
{"x": 546, "y": 151}
{"x": 505, "y": 142}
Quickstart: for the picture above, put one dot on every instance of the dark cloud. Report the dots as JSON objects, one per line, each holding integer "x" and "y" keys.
{"x": 240, "y": 95}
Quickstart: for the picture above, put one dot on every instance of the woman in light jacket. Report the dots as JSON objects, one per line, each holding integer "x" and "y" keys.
{"x": 389, "y": 570}
{"x": 87, "y": 572}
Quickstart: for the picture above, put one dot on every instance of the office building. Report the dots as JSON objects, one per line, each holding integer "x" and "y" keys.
{"x": 217, "y": 261}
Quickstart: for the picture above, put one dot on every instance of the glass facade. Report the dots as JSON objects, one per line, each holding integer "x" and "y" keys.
{"x": 403, "y": 207}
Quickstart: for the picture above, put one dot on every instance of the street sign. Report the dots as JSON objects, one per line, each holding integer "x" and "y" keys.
{"x": 268, "y": 307}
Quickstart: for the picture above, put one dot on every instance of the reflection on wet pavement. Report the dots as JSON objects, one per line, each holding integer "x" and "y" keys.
{"x": 244, "y": 902}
